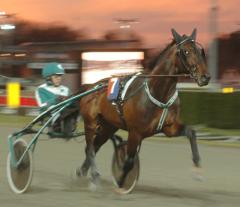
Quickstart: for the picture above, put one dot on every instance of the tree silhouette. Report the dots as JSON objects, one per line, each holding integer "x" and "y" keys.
{"x": 122, "y": 34}
{"x": 32, "y": 32}
{"x": 229, "y": 52}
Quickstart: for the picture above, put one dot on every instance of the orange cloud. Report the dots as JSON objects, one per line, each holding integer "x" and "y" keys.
{"x": 157, "y": 17}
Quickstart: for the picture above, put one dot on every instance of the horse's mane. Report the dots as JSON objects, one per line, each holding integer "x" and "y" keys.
{"x": 154, "y": 60}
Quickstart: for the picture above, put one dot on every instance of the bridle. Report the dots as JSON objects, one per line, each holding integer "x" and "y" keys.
{"x": 192, "y": 69}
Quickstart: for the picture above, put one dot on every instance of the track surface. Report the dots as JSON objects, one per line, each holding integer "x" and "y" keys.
{"x": 165, "y": 176}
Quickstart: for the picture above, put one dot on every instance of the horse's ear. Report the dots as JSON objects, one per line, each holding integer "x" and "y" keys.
{"x": 177, "y": 37}
{"x": 194, "y": 34}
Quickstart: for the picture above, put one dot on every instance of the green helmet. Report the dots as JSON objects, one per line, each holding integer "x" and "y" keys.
{"x": 52, "y": 69}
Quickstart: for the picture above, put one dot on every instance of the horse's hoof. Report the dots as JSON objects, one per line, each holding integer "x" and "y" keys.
{"x": 80, "y": 173}
{"x": 197, "y": 174}
{"x": 92, "y": 187}
{"x": 121, "y": 191}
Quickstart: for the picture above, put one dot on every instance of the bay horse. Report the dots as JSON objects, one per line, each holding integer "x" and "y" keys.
{"x": 152, "y": 106}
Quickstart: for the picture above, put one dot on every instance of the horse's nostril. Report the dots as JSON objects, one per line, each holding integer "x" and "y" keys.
{"x": 208, "y": 77}
{"x": 194, "y": 68}
{"x": 205, "y": 78}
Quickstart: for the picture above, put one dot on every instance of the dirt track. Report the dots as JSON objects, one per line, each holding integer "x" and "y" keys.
{"x": 165, "y": 177}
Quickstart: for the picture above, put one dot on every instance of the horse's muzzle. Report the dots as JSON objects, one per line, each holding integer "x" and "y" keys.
{"x": 204, "y": 80}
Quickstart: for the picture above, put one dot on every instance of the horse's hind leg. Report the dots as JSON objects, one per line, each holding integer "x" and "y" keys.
{"x": 99, "y": 136}
{"x": 83, "y": 170}
{"x": 104, "y": 132}
{"x": 90, "y": 163}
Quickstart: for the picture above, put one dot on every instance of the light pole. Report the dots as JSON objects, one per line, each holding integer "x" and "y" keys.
{"x": 126, "y": 23}
{"x": 5, "y": 28}
{"x": 213, "y": 46}
{"x": 125, "y": 31}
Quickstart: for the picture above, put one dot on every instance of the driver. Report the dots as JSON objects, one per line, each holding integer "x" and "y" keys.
{"x": 52, "y": 92}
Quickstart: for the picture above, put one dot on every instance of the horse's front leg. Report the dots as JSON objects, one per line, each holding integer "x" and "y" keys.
{"x": 178, "y": 129}
{"x": 191, "y": 135}
{"x": 133, "y": 144}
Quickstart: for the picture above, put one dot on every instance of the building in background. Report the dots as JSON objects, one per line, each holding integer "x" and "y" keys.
{"x": 84, "y": 62}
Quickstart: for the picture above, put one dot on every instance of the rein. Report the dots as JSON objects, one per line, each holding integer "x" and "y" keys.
{"x": 3, "y": 76}
{"x": 149, "y": 76}
{"x": 180, "y": 75}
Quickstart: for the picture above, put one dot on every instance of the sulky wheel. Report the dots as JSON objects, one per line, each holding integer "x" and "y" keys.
{"x": 118, "y": 160}
{"x": 20, "y": 177}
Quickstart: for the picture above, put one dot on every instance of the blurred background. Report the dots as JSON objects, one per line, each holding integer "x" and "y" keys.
{"x": 95, "y": 39}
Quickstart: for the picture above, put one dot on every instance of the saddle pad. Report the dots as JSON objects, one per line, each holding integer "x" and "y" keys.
{"x": 113, "y": 88}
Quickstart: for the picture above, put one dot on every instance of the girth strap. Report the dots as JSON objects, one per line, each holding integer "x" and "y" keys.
{"x": 119, "y": 108}
{"x": 119, "y": 102}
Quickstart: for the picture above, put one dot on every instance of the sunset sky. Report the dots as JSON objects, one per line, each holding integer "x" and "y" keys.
{"x": 156, "y": 17}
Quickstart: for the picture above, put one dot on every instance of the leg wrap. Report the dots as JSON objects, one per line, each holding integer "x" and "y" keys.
{"x": 191, "y": 135}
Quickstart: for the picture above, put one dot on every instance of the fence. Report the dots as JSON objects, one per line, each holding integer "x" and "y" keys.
{"x": 219, "y": 110}
{"x": 213, "y": 109}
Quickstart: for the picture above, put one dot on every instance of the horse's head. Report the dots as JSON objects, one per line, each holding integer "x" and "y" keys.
{"x": 191, "y": 57}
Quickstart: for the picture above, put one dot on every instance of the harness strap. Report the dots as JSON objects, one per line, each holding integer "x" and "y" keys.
{"x": 162, "y": 119}
{"x": 165, "y": 106}
{"x": 119, "y": 108}
{"x": 129, "y": 82}
{"x": 158, "y": 103}
{"x": 122, "y": 93}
